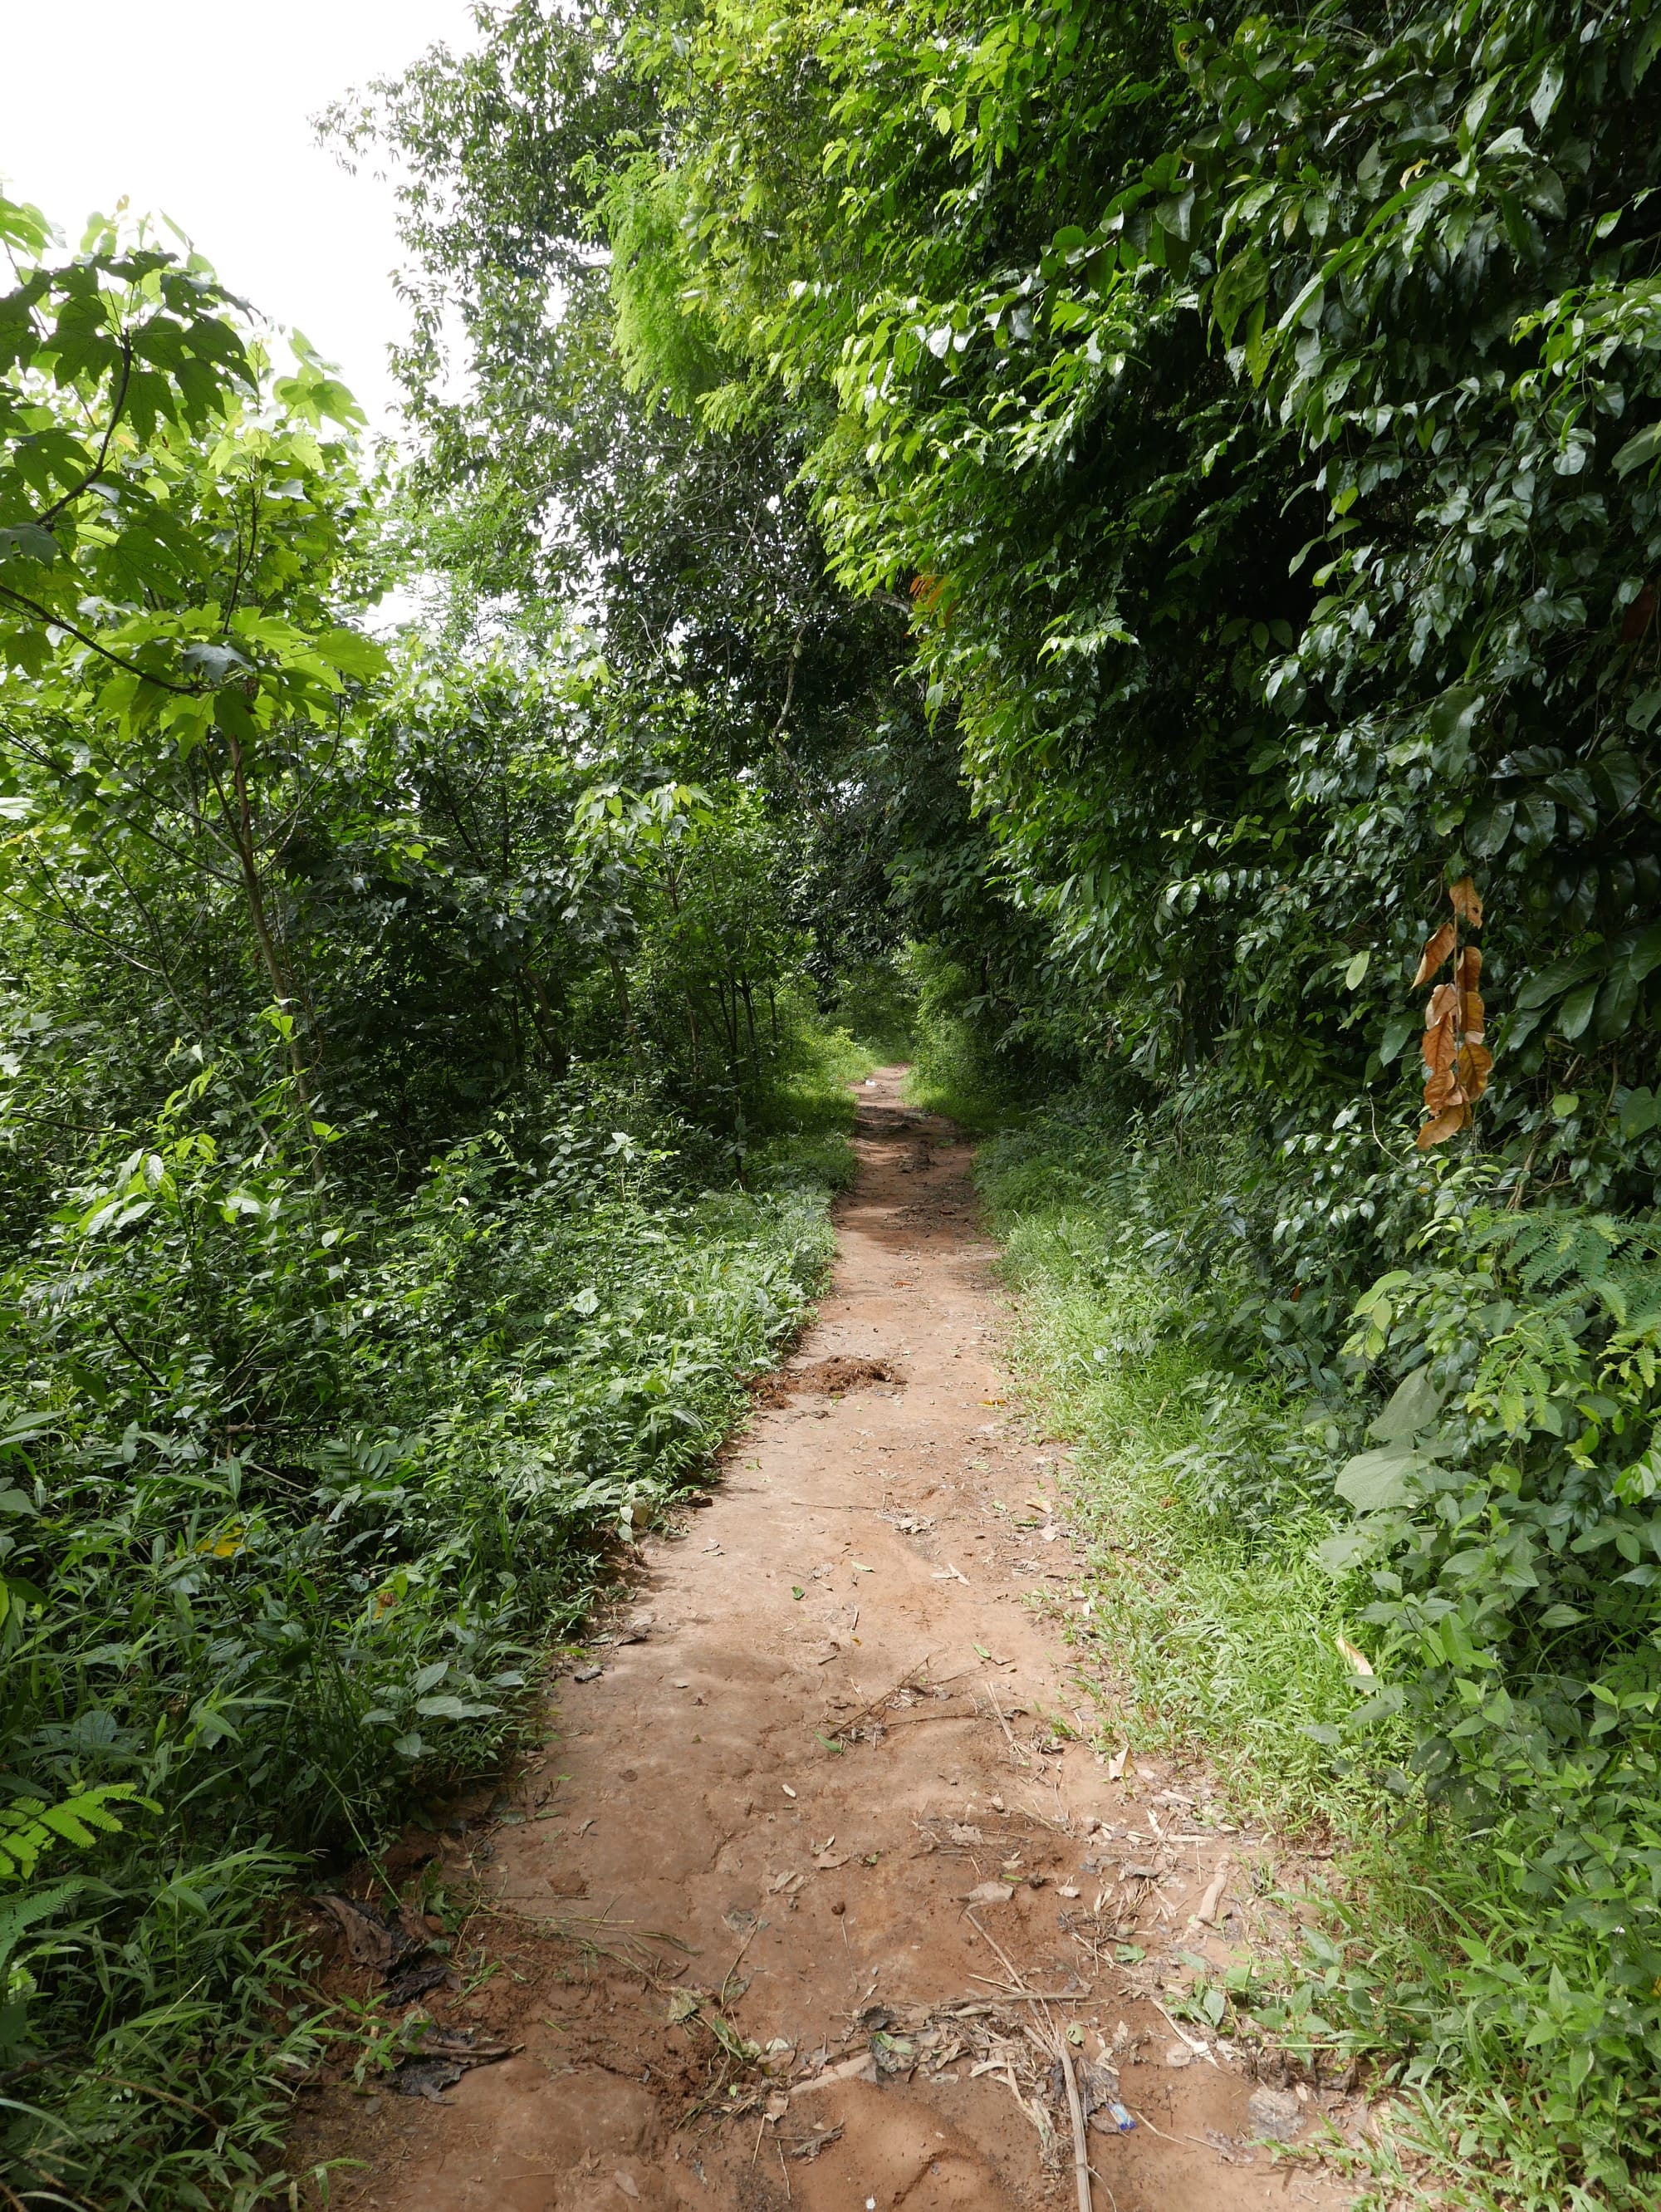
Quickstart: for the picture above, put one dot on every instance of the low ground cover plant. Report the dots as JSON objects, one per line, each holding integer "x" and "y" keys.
{"x": 1403, "y": 1589}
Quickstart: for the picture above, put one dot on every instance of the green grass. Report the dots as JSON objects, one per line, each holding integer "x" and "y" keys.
{"x": 1212, "y": 1639}
{"x": 1201, "y": 1496}
{"x": 287, "y": 1648}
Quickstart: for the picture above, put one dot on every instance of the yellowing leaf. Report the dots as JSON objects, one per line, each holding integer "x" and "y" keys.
{"x": 1358, "y": 1659}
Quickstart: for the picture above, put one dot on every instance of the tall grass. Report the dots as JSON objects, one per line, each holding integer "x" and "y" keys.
{"x": 1442, "y": 1954}
{"x": 1215, "y": 1633}
{"x": 294, "y": 1501}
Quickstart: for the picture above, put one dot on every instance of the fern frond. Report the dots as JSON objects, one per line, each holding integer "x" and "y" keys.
{"x": 29, "y": 1826}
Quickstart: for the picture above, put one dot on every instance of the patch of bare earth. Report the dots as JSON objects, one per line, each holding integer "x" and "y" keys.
{"x": 822, "y": 1895}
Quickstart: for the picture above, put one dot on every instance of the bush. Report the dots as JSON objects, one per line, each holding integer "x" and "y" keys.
{"x": 295, "y": 1497}
{"x": 1486, "y": 1534}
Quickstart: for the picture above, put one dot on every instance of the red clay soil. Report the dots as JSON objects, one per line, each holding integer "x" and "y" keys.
{"x": 800, "y": 1905}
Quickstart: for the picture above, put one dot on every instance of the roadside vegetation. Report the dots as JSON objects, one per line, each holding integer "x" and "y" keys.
{"x": 419, "y": 1107}
{"x": 1135, "y": 538}
{"x": 1471, "y": 1944}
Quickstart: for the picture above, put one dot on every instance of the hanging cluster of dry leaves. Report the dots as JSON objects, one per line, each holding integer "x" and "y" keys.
{"x": 1456, "y": 1059}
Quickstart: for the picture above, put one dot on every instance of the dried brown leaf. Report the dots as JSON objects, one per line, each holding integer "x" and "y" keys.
{"x": 1440, "y": 1046}
{"x": 1476, "y": 1063}
{"x": 1469, "y": 970}
{"x": 1441, "y": 1126}
{"x": 1466, "y": 902}
{"x": 1436, "y": 950}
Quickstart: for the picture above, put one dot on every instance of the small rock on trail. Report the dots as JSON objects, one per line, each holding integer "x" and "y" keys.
{"x": 818, "y": 1872}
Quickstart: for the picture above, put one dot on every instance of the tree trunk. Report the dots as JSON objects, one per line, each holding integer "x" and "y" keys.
{"x": 541, "y": 1016}
{"x": 750, "y": 1017}
{"x": 270, "y": 960}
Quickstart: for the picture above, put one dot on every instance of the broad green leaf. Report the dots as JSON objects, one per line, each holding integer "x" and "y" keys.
{"x": 1412, "y": 1405}
{"x": 1639, "y": 449}
{"x": 1372, "y": 1480}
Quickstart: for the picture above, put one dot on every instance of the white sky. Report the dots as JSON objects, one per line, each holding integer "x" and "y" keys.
{"x": 201, "y": 109}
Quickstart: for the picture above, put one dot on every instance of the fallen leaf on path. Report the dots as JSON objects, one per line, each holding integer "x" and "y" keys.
{"x": 588, "y": 1674}
{"x": 861, "y": 2063}
{"x": 444, "y": 2056}
{"x": 1213, "y": 1897}
{"x": 949, "y": 1574}
{"x": 1228, "y": 2149}
{"x": 627, "y": 2183}
{"x": 369, "y": 1941}
{"x": 427, "y": 2078}
{"x": 1116, "y": 1764}
{"x": 989, "y": 1892}
{"x": 1275, "y": 2113}
{"x": 827, "y": 1861}
{"x": 809, "y": 2149}
{"x": 414, "y": 1981}
{"x": 961, "y": 1833}
{"x": 788, "y": 1791}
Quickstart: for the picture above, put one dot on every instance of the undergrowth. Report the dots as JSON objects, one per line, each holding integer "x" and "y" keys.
{"x": 1215, "y": 1631}
{"x": 295, "y": 1495}
{"x": 1292, "y": 1458}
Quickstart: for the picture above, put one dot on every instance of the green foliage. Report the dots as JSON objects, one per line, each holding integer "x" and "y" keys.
{"x": 414, "y": 1132}
{"x": 30, "y": 1827}
{"x": 299, "y": 1501}
{"x": 1493, "y": 1949}
{"x": 1248, "y": 410}
{"x": 1215, "y": 1624}
{"x": 1133, "y": 507}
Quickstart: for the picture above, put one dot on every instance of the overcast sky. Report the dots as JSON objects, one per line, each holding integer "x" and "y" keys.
{"x": 201, "y": 109}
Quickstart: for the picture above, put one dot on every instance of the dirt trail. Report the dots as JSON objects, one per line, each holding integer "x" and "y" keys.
{"x": 859, "y": 1579}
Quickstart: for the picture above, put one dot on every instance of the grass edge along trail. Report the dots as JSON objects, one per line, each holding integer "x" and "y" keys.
{"x": 285, "y": 1691}
{"x": 1221, "y": 1640}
